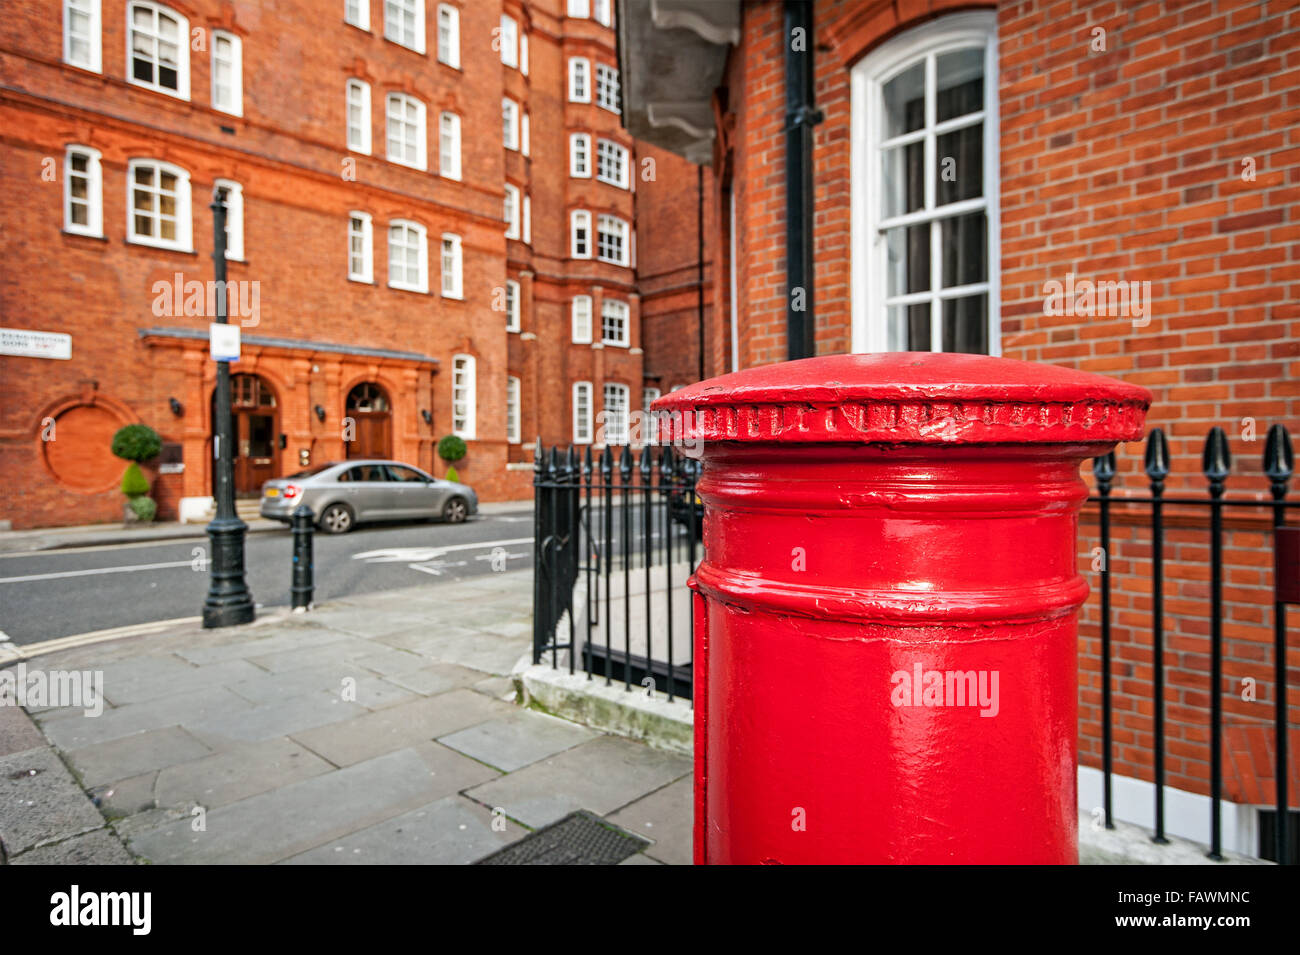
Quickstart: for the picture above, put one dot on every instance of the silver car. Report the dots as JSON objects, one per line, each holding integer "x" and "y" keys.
{"x": 342, "y": 494}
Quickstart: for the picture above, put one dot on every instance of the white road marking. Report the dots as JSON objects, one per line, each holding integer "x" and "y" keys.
{"x": 418, "y": 554}
{"x": 130, "y": 569}
{"x": 436, "y": 567}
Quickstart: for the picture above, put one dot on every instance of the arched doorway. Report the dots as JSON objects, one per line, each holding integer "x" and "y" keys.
{"x": 255, "y": 418}
{"x": 371, "y": 434}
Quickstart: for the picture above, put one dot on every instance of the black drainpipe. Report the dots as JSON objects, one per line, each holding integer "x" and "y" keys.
{"x": 801, "y": 115}
{"x": 699, "y": 257}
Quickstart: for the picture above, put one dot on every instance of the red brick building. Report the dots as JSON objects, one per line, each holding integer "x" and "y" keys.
{"x": 432, "y": 231}
{"x": 972, "y": 165}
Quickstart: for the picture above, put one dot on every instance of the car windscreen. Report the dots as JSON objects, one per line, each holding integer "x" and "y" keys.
{"x": 310, "y": 472}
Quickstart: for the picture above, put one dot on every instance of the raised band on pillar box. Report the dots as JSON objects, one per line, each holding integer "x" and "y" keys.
{"x": 886, "y": 614}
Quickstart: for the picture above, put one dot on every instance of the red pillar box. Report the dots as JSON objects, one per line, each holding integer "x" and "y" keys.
{"x": 886, "y": 656}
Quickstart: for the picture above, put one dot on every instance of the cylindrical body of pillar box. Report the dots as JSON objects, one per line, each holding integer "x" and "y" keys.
{"x": 886, "y": 643}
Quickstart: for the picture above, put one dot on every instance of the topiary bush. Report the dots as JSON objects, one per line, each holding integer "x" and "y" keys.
{"x": 143, "y": 507}
{"x": 137, "y": 442}
{"x": 452, "y": 449}
{"x": 452, "y": 474}
{"x": 134, "y": 483}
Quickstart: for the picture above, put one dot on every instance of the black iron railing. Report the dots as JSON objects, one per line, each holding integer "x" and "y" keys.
{"x": 1216, "y": 466}
{"x": 616, "y": 537}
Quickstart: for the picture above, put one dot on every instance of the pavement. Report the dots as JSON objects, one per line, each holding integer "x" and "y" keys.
{"x": 377, "y": 728}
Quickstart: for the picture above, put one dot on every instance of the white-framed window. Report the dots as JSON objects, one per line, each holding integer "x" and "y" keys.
{"x": 611, "y": 163}
{"x": 582, "y": 412}
{"x": 158, "y": 48}
{"x": 523, "y": 53}
{"x": 234, "y": 195}
{"x": 528, "y": 219}
{"x": 448, "y": 35}
{"x": 512, "y": 305}
{"x": 357, "y": 13}
{"x": 607, "y": 87}
{"x": 404, "y": 23}
{"x": 614, "y": 325}
{"x": 611, "y": 240}
{"x": 924, "y": 199}
{"x": 580, "y": 312}
{"x": 650, "y": 430}
{"x": 449, "y": 146}
{"x": 158, "y": 205}
{"x": 361, "y": 247}
{"x": 580, "y": 155}
{"x": 82, "y": 32}
{"x": 406, "y": 136}
{"x": 463, "y": 397}
{"x": 408, "y": 256}
{"x": 511, "y": 213}
{"x": 83, "y": 191}
{"x": 227, "y": 73}
{"x": 579, "y": 9}
{"x": 509, "y": 37}
{"x": 453, "y": 283}
{"x": 512, "y": 410}
{"x": 579, "y": 80}
{"x": 603, "y": 12}
{"x": 580, "y": 234}
{"x": 358, "y": 116}
{"x": 525, "y": 134}
{"x": 510, "y": 123}
{"x": 613, "y": 415}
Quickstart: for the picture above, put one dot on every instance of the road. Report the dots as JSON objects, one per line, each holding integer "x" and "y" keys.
{"x": 48, "y": 594}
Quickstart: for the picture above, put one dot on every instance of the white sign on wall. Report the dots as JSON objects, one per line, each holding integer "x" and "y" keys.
{"x": 29, "y": 344}
{"x": 223, "y": 341}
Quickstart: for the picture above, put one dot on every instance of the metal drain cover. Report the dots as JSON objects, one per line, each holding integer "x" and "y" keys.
{"x": 580, "y": 838}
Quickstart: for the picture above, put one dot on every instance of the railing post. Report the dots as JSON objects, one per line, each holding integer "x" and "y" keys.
{"x": 1156, "y": 465}
{"x": 1216, "y": 463}
{"x": 1103, "y": 468}
{"x": 1279, "y": 465}
{"x": 890, "y": 597}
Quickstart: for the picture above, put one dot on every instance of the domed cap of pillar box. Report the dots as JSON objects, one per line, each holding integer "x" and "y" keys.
{"x": 906, "y": 398}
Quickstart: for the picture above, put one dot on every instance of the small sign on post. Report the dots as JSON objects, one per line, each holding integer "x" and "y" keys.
{"x": 223, "y": 342}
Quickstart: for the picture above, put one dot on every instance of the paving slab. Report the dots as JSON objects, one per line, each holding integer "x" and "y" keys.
{"x": 274, "y": 719}
{"x": 125, "y": 797}
{"x": 338, "y": 651}
{"x": 148, "y": 678}
{"x": 133, "y": 755}
{"x": 367, "y": 689}
{"x": 289, "y": 821}
{"x": 77, "y": 731}
{"x": 19, "y": 733}
{"x": 486, "y": 652}
{"x": 398, "y": 727}
{"x": 516, "y": 739}
{"x": 233, "y": 774}
{"x": 437, "y": 678}
{"x": 288, "y": 636}
{"x": 40, "y": 801}
{"x": 101, "y": 847}
{"x": 602, "y": 776}
{"x": 666, "y": 817}
{"x": 450, "y": 831}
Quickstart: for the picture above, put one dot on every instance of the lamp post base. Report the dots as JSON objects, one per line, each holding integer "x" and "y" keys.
{"x": 229, "y": 602}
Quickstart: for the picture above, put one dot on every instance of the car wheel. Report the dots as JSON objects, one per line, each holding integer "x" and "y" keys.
{"x": 336, "y": 519}
{"x": 455, "y": 511}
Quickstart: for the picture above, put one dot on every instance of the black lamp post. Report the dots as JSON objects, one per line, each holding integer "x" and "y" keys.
{"x": 228, "y": 602}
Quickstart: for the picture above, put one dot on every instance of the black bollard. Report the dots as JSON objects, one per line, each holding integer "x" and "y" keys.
{"x": 302, "y": 558}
